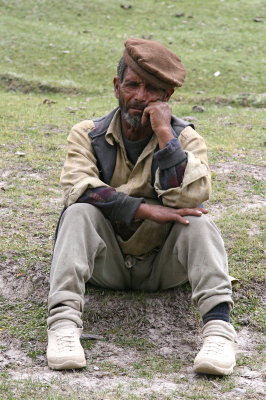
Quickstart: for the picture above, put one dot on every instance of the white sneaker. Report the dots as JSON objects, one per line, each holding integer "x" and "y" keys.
{"x": 218, "y": 353}
{"x": 64, "y": 350}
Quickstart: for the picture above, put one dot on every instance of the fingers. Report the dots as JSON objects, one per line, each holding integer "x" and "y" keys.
{"x": 196, "y": 212}
{"x": 144, "y": 118}
{"x": 192, "y": 211}
{"x": 158, "y": 108}
{"x": 189, "y": 211}
{"x": 182, "y": 220}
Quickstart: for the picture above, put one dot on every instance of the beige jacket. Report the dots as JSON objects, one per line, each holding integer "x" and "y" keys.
{"x": 80, "y": 173}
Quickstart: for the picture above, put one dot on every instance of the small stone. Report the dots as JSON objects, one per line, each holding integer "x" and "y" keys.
{"x": 178, "y": 15}
{"x": 217, "y": 73}
{"x": 247, "y": 373}
{"x": 96, "y": 368}
{"x": 147, "y": 37}
{"x": 91, "y": 336}
{"x": 258, "y": 19}
{"x": 126, "y": 6}
{"x": 198, "y": 108}
{"x": 188, "y": 118}
{"x": 20, "y": 153}
{"x": 166, "y": 351}
{"x": 48, "y": 101}
{"x": 244, "y": 321}
{"x": 239, "y": 390}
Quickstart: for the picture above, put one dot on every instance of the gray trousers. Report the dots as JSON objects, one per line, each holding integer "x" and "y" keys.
{"x": 87, "y": 250}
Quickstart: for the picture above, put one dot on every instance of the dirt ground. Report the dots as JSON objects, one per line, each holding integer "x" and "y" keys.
{"x": 166, "y": 324}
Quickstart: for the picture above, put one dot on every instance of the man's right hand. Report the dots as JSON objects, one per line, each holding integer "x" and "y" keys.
{"x": 163, "y": 214}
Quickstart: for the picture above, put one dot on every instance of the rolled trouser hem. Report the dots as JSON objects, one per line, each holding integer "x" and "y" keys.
{"x": 64, "y": 296}
{"x": 206, "y": 305}
{"x": 64, "y": 316}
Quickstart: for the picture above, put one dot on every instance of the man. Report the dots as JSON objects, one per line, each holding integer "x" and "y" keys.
{"x": 133, "y": 182}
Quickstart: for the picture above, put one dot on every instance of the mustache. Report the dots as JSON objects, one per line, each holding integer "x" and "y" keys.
{"x": 138, "y": 106}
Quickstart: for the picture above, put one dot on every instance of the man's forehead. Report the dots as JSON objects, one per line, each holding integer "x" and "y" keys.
{"x": 132, "y": 76}
{"x": 129, "y": 74}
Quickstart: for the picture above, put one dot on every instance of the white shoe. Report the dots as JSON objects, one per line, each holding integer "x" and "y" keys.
{"x": 64, "y": 350}
{"x": 218, "y": 353}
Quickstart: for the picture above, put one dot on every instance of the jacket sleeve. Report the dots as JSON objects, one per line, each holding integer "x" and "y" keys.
{"x": 196, "y": 184}
{"x": 80, "y": 170}
{"x": 172, "y": 161}
{"x": 81, "y": 182}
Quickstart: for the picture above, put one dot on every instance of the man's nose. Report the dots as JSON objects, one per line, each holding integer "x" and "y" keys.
{"x": 141, "y": 94}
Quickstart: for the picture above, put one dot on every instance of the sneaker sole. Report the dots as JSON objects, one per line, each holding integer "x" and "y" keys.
{"x": 67, "y": 365}
{"x": 208, "y": 368}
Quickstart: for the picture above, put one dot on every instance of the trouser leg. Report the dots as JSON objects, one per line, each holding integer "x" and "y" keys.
{"x": 86, "y": 250}
{"x": 193, "y": 253}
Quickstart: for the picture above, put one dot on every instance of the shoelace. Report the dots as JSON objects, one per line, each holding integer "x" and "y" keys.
{"x": 65, "y": 342}
{"x": 213, "y": 347}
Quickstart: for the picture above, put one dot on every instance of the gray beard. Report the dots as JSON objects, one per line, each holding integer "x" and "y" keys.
{"x": 134, "y": 122}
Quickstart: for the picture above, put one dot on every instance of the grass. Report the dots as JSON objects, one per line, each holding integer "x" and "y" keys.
{"x": 57, "y": 62}
{"x": 49, "y": 37}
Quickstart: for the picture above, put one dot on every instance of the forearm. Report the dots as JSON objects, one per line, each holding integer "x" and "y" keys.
{"x": 172, "y": 161}
{"x": 196, "y": 184}
{"x": 172, "y": 177}
{"x": 116, "y": 206}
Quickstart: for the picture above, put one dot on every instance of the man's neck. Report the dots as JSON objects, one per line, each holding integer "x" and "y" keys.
{"x": 133, "y": 133}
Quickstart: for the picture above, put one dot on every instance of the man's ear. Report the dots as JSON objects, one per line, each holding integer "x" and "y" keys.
{"x": 116, "y": 86}
{"x": 168, "y": 93}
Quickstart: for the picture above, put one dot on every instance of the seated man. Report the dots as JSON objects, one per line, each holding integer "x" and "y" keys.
{"x": 133, "y": 182}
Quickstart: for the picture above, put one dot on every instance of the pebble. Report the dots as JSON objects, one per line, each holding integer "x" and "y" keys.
{"x": 166, "y": 351}
{"x": 198, "y": 108}
{"x": 239, "y": 390}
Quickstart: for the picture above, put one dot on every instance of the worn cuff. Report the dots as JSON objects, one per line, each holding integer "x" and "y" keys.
{"x": 125, "y": 208}
{"x": 171, "y": 155}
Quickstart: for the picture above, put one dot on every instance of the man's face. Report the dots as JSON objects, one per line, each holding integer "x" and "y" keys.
{"x": 134, "y": 94}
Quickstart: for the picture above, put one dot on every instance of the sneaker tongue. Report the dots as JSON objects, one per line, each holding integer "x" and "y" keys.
{"x": 219, "y": 328}
{"x": 62, "y": 323}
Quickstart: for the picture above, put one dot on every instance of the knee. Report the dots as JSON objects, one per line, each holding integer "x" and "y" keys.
{"x": 195, "y": 223}
{"x": 76, "y": 210}
{"x": 199, "y": 223}
{"x": 80, "y": 211}
{"x": 201, "y": 226}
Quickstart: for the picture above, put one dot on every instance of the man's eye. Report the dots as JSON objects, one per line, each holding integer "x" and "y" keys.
{"x": 132, "y": 84}
{"x": 153, "y": 89}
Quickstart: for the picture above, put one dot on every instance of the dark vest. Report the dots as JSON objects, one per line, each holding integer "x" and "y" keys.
{"x": 106, "y": 153}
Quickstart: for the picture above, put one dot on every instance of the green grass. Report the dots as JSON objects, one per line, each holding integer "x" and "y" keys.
{"x": 84, "y": 40}
{"x": 25, "y": 321}
{"x": 57, "y": 62}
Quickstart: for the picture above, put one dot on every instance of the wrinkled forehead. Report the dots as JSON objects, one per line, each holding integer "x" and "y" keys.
{"x": 131, "y": 76}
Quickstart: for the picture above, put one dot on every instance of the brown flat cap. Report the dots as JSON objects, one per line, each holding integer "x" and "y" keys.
{"x": 154, "y": 62}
